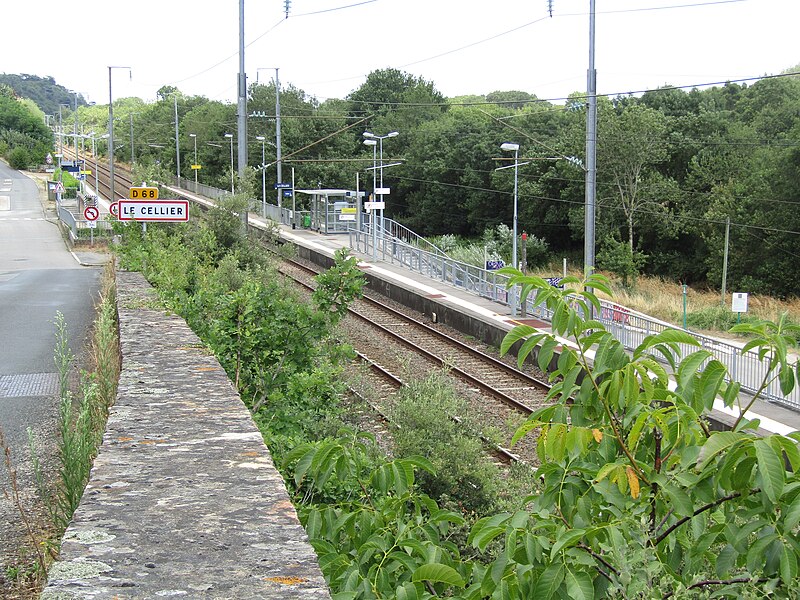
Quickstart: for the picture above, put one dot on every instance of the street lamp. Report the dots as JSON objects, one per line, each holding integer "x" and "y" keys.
{"x": 511, "y": 147}
{"x": 111, "y": 133}
{"x": 263, "y": 139}
{"x": 194, "y": 166}
{"x": 374, "y": 144}
{"x": 230, "y": 135}
{"x": 381, "y": 190}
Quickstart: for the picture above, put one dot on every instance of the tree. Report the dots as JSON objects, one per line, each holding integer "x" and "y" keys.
{"x": 630, "y": 143}
{"x": 640, "y": 498}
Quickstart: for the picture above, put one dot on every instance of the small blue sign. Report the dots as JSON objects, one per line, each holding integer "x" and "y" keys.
{"x": 555, "y": 282}
{"x": 287, "y": 193}
{"x": 494, "y": 265}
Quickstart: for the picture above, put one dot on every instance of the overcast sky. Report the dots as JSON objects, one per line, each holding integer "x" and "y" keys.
{"x": 327, "y": 47}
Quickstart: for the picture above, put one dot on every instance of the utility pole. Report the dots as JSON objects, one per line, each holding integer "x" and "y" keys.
{"x": 591, "y": 153}
{"x": 278, "y": 127}
{"x": 725, "y": 258}
{"x": 177, "y": 141}
{"x": 242, "y": 99}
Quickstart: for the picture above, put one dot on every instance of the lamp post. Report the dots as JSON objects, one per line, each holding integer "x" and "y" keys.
{"x": 194, "y": 166}
{"x": 61, "y": 133}
{"x": 230, "y": 136}
{"x": 374, "y": 144}
{"x": 510, "y": 147}
{"x": 381, "y": 189}
{"x": 263, "y": 139}
{"x": 111, "y": 134}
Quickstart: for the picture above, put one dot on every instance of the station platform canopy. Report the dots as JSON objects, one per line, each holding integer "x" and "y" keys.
{"x": 334, "y": 210}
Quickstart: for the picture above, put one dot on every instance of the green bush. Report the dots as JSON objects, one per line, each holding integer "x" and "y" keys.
{"x": 463, "y": 471}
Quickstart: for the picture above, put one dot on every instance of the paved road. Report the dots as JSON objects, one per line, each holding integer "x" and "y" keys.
{"x": 38, "y": 278}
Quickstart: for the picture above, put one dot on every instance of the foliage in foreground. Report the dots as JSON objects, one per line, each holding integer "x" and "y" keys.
{"x": 638, "y": 498}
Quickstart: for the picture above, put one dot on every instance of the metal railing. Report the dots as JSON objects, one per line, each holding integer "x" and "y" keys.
{"x": 77, "y": 224}
{"x": 397, "y": 244}
{"x": 627, "y": 326}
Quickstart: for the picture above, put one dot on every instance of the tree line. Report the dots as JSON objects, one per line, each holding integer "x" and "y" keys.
{"x": 678, "y": 170}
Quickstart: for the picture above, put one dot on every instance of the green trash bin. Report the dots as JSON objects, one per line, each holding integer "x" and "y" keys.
{"x": 306, "y": 220}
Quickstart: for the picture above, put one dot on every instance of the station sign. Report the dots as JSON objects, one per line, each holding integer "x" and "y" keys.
{"x": 143, "y": 193}
{"x": 382, "y": 191}
{"x": 163, "y": 211}
{"x": 283, "y": 186}
{"x": 374, "y": 205}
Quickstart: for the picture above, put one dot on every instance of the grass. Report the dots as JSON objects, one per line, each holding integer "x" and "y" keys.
{"x": 663, "y": 300}
{"x": 82, "y": 420}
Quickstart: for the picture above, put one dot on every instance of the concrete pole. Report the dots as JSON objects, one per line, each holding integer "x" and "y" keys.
{"x": 725, "y": 258}
{"x": 591, "y": 153}
{"x": 177, "y": 140}
{"x": 110, "y": 139}
{"x": 133, "y": 156}
{"x": 278, "y": 132}
{"x": 242, "y": 100}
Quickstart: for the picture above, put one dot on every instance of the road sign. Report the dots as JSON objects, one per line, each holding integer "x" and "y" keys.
{"x": 374, "y": 205}
{"x": 287, "y": 193}
{"x": 91, "y": 213}
{"x": 143, "y": 193}
{"x": 164, "y": 211}
{"x": 283, "y": 186}
{"x": 91, "y": 224}
{"x": 49, "y": 159}
{"x": 59, "y": 188}
{"x": 114, "y": 209}
{"x": 196, "y": 167}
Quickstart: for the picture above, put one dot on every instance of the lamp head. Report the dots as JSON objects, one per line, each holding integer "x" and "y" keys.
{"x": 509, "y": 146}
{"x": 392, "y": 134}
{"x": 228, "y": 135}
{"x": 370, "y": 143}
{"x": 368, "y": 134}
{"x": 192, "y": 135}
{"x": 260, "y": 138}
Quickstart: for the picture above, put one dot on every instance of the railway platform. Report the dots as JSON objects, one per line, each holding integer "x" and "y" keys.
{"x": 774, "y": 418}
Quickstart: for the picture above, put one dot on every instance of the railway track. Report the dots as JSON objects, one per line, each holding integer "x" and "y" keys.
{"x": 499, "y": 393}
{"x": 123, "y": 178}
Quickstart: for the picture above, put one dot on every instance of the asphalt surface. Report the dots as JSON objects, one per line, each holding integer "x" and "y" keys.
{"x": 39, "y": 278}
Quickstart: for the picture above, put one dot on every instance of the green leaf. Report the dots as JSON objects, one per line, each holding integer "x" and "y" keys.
{"x": 788, "y": 565}
{"x": 791, "y": 515}
{"x": 770, "y": 465}
{"x": 691, "y": 365}
{"x": 680, "y": 500}
{"x": 549, "y": 582}
{"x": 567, "y": 540}
{"x": 438, "y": 573}
{"x": 716, "y": 443}
{"x": 579, "y": 585}
{"x": 512, "y": 337}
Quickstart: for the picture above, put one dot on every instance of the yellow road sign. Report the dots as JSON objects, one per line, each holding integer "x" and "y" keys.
{"x": 143, "y": 193}
{"x": 197, "y": 167}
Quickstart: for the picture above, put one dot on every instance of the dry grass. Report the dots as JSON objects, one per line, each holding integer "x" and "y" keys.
{"x": 663, "y": 300}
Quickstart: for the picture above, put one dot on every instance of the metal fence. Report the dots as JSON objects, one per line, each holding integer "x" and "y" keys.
{"x": 395, "y": 243}
{"x": 78, "y": 226}
{"x": 627, "y": 326}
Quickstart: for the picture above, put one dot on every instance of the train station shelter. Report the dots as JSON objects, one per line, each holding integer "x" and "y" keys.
{"x": 334, "y": 211}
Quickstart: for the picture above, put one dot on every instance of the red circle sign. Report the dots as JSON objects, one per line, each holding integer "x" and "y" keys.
{"x": 91, "y": 213}
{"x": 113, "y": 208}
